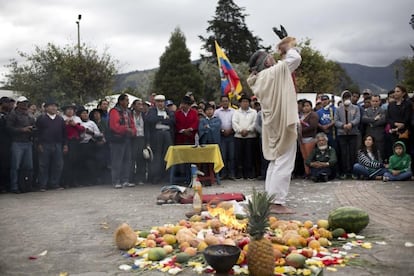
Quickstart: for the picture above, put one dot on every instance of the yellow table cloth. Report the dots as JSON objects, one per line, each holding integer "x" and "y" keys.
{"x": 182, "y": 154}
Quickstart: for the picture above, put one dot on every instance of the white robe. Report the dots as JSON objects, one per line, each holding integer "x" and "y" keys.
{"x": 275, "y": 90}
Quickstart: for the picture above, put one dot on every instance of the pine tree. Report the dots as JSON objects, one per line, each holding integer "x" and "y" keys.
{"x": 228, "y": 27}
{"x": 176, "y": 74}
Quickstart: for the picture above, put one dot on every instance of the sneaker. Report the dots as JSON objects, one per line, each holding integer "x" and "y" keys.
{"x": 342, "y": 177}
{"x": 17, "y": 191}
{"x": 127, "y": 184}
{"x": 140, "y": 183}
{"x": 60, "y": 188}
{"x": 385, "y": 178}
{"x": 42, "y": 190}
{"x": 118, "y": 186}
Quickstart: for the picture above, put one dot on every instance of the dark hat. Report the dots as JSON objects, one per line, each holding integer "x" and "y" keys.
{"x": 80, "y": 110}
{"x": 244, "y": 97}
{"x": 186, "y": 100}
{"x": 169, "y": 102}
{"x": 73, "y": 106}
{"x": 50, "y": 102}
{"x": 256, "y": 61}
{"x": 324, "y": 97}
{"x": 5, "y": 100}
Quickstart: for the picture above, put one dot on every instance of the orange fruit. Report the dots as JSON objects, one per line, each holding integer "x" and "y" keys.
{"x": 314, "y": 244}
{"x": 191, "y": 251}
{"x": 183, "y": 246}
{"x": 150, "y": 243}
{"x": 308, "y": 224}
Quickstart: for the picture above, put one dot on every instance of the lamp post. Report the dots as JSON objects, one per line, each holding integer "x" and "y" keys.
{"x": 79, "y": 54}
{"x": 78, "y": 23}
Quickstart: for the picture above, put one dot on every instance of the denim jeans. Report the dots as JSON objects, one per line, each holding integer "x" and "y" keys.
{"x": 361, "y": 170}
{"x": 402, "y": 176}
{"x": 21, "y": 159}
{"x": 121, "y": 161}
{"x": 50, "y": 165}
{"x": 316, "y": 172}
{"x": 227, "y": 149}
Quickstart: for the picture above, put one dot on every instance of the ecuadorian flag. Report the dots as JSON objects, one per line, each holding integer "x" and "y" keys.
{"x": 230, "y": 82}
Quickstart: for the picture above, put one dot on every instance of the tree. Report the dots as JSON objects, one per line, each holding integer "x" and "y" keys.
{"x": 228, "y": 27}
{"x": 176, "y": 74}
{"x": 65, "y": 74}
{"x": 317, "y": 74}
{"x": 408, "y": 68}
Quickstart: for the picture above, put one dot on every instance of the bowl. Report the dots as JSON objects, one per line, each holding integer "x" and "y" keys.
{"x": 221, "y": 257}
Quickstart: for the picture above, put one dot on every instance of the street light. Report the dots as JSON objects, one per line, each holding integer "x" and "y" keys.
{"x": 78, "y": 23}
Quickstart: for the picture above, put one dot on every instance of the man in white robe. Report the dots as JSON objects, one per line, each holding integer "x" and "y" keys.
{"x": 272, "y": 83}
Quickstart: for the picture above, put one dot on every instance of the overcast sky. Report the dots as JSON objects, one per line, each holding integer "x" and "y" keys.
{"x": 136, "y": 32}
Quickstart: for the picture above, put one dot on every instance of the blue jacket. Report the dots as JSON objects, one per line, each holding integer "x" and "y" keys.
{"x": 209, "y": 130}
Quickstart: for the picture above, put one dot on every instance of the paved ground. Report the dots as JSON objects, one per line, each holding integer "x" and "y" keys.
{"x": 75, "y": 226}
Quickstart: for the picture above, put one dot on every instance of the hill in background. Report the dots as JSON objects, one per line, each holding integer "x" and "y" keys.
{"x": 378, "y": 79}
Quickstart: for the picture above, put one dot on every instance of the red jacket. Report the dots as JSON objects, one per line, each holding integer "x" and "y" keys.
{"x": 118, "y": 124}
{"x": 74, "y": 132}
{"x": 184, "y": 122}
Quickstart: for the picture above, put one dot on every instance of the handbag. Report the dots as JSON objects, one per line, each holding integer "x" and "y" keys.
{"x": 403, "y": 135}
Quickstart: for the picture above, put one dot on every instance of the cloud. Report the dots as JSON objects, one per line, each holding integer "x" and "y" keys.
{"x": 137, "y": 32}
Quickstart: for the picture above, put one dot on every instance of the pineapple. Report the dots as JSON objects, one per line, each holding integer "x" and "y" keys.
{"x": 260, "y": 254}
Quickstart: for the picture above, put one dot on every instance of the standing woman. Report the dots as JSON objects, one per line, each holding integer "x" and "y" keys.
{"x": 309, "y": 125}
{"x": 399, "y": 116}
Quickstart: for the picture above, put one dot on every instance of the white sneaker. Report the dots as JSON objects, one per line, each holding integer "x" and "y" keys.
{"x": 127, "y": 184}
{"x": 118, "y": 186}
{"x": 141, "y": 183}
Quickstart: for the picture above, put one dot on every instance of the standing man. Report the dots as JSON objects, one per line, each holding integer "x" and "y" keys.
{"x": 52, "y": 144}
{"x": 138, "y": 164}
{"x": 326, "y": 120}
{"x": 375, "y": 120}
{"x": 347, "y": 119}
{"x": 160, "y": 124}
{"x": 273, "y": 85}
{"x": 21, "y": 126}
{"x": 121, "y": 130}
{"x": 225, "y": 114}
{"x": 186, "y": 123}
{"x": 103, "y": 105}
{"x": 243, "y": 123}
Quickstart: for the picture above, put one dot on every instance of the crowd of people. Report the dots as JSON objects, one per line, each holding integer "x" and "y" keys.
{"x": 358, "y": 138}
{"x": 57, "y": 148}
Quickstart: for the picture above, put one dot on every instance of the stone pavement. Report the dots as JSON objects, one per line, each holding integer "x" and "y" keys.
{"x": 76, "y": 226}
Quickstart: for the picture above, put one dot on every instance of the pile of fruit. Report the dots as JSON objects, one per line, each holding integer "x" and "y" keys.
{"x": 299, "y": 248}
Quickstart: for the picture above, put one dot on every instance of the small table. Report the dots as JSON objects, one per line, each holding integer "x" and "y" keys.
{"x": 182, "y": 154}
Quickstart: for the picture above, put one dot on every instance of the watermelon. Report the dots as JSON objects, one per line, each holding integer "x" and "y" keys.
{"x": 351, "y": 219}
